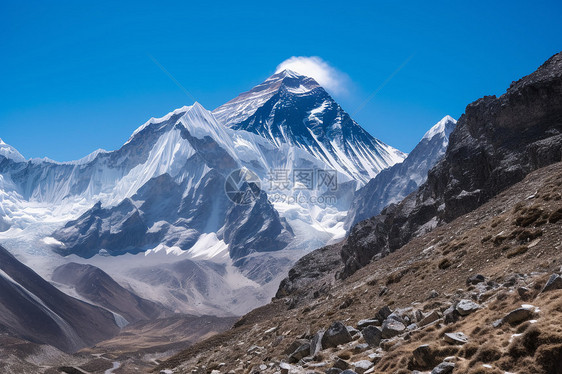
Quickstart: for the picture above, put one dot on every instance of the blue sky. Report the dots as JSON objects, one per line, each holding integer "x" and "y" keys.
{"x": 78, "y": 77}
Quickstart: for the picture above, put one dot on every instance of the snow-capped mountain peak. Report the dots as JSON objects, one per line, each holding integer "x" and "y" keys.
{"x": 154, "y": 120}
{"x": 396, "y": 182}
{"x": 165, "y": 189}
{"x": 200, "y": 122}
{"x": 292, "y": 81}
{"x": 445, "y": 126}
{"x": 246, "y": 104}
{"x": 10, "y": 152}
{"x": 289, "y": 108}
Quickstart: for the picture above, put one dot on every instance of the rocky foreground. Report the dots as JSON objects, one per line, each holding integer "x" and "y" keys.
{"x": 482, "y": 294}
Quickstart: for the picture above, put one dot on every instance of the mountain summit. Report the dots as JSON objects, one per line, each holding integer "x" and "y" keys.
{"x": 244, "y": 105}
{"x": 395, "y": 183}
{"x": 294, "y": 109}
{"x": 10, "y": 152}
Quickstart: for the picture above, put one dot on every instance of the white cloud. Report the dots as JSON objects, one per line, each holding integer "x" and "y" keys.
{"x": 326, "y": 75}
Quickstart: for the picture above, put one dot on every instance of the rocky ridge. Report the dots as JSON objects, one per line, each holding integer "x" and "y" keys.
{"x": 494, "y": 145}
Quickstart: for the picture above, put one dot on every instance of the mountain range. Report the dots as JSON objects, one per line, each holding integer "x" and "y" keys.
{"x": 160, "y": 198}
{"x": 197, "y": 213}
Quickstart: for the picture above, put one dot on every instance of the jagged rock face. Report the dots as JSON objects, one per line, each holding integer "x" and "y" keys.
{"x": 495, "y": 144}
{"x": 265, "y": 232}
{"x": 311, "y": 273}
{"x": 395, "y": 183}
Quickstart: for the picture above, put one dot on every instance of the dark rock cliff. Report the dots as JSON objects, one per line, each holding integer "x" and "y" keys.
{"x": 496, "y": 143}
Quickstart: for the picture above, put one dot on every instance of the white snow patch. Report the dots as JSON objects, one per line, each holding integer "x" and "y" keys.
{"x": 52, "y": 241}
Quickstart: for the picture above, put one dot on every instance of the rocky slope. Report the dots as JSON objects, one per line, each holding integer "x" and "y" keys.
{"x": 34, "y": 310}
{"x": 395, "y": 183}
{"x": 96, "y": 286}
{"x": 480, "y": 294}
{"x": 495, "y": 144}
{"x": 464, "y": 254}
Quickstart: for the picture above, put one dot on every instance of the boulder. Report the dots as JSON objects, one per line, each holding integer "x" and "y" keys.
{"x": 362, "y": 366}
{"x": 372, "y": 336}
{"x": 290, "y": 349}
{"x": 316, "y": 343}
{"x": 335, "y": 335}
{"x": 383, "y": 313}
{"x": 553, "y": 283}
{"x": 431, "y": 317}
{"x": 518, "y": 315}
{"x": 392, "y": 328}
{"x": 475, "y": 279}
{"x": 455, "y": 338}
{"x": 300, "y": 353}
{"x": 367, "y": 322}
{"x": 451, "y": 315}
{"x": 352, "y": 331}
{"x": 444, "y": 368}
{"x": 341, "y": 364}
{"x": 375, "y": 357}
{"x": 465, "y": 307}
{"x": 423, "y": 356}
{"x": 285, "y": 368}
{"x": 397, "y": 317}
